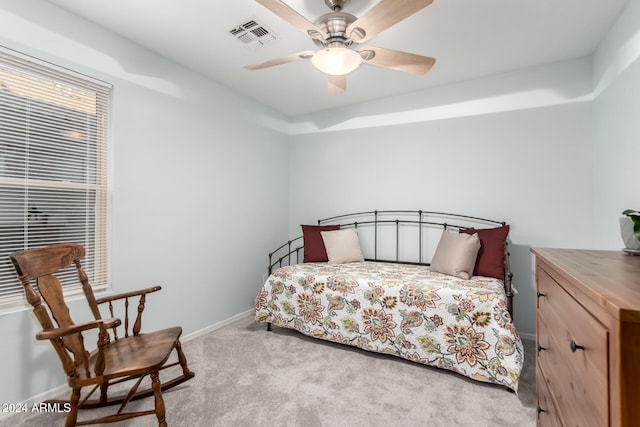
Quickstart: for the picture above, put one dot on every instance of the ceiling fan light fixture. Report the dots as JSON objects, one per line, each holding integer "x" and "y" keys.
{"x": 336, "y": 61}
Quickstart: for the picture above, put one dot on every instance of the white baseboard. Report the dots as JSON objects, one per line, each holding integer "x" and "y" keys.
{"x": 217, "y": 325}
{"x": 527, "y": 336}
{"x": 55, "y": 392}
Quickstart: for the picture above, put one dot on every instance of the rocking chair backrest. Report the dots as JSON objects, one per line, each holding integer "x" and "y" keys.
{"x": 41, "y": 265}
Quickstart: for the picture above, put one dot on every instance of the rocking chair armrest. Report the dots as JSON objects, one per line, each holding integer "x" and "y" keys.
{"x": 128, "y": 294}
{"x": 73, "y": 329}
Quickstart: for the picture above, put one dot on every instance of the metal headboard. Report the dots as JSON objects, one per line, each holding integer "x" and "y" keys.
{"x": 402, "y": 219}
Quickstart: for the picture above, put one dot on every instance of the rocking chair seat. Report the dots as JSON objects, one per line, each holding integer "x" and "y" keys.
{"x": 133, "y": 355}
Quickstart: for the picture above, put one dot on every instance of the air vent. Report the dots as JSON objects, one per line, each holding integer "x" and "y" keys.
{"x": 252, "y": 34}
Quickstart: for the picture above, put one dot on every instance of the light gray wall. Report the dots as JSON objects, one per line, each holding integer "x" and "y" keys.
{"x": 196, "y": 203}
{"x": 552, "y": 150}
{"x": 616, "y": 126}
{"x": 521, "y": 154}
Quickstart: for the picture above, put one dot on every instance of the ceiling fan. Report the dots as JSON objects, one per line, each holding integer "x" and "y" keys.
{"x": 339, "y": 36}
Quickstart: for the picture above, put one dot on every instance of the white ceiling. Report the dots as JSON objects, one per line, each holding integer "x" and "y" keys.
{"x": 468, "y": 38}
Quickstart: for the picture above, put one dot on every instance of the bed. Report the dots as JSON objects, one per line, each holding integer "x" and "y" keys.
{"x": 381, "y": 295}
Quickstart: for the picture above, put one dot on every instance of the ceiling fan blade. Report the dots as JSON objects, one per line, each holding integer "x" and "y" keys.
{"x": 396, "y": 60}
{"x": 294, "y": 18}
{"x": 382, "y": 16}
{"x": 337, "y": 84}
{"x": 279, "y": 61}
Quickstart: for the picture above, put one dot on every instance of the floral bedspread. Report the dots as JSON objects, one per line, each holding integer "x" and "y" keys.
{"x": 399, "y": 309}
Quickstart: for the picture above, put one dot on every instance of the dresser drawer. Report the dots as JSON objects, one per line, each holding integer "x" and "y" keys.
{"x": 573, "y": 355}
{"x": 547, "y": 414}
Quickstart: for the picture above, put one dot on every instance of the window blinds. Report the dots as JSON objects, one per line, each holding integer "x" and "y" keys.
{"x": 53, "y": 167}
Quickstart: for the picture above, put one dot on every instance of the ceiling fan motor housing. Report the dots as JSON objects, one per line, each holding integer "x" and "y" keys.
{"x": 334, "y": 26}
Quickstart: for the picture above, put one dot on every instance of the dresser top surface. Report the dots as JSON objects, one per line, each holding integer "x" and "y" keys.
{"x": 609, "y": 278}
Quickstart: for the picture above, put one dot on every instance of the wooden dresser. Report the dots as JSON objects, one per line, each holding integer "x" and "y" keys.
{"x": 588, "y": 338}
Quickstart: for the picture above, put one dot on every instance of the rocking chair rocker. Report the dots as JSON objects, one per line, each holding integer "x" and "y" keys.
{"x": 132, "y": 355}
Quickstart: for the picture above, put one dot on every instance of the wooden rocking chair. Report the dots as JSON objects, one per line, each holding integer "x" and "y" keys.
{"x": 132, "y": 355}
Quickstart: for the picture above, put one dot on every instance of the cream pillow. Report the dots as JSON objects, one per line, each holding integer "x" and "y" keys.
{"x": 456, "y": 254}
{"x": 342, "y": 246}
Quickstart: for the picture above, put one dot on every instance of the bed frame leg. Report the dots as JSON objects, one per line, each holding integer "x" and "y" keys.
{"x": 269, "y": 326}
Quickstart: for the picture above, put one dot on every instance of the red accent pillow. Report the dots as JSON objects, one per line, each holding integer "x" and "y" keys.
{"x": 314, "y": 250}
{"x": 490, "y": 261}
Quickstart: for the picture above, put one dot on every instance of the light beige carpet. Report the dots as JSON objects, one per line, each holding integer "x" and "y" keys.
{"x": 246, "y": 376}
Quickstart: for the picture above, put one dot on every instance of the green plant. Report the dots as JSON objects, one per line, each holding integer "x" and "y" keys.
{"x": 635, "y": 218}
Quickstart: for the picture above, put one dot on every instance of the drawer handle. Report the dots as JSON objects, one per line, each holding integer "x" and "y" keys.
{"x": 540, "y": 348}
{"x": 573, "y": 346}
{"x": 540, "y": 294}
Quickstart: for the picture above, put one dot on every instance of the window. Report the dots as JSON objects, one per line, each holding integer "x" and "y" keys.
{"x": 53, "y": 167}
